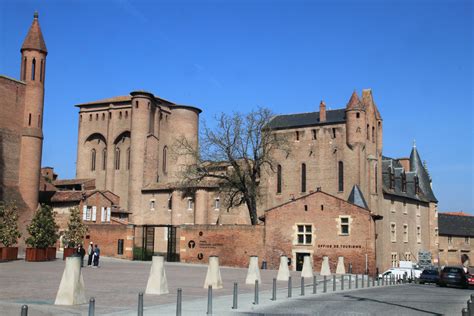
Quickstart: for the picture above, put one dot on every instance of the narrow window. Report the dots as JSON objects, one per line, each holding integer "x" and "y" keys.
{"x": 190, "y": 204}
{"x": 33, "y": 69}
{"x": 394, "y": 259}
{"x": 297, "y": 135}
{"x": 103, "y": 116}
{"x": 417, "y": 185}
{"x": 170, "y": 202}
{"x": 450, "y": 240}
{"x": 373, "y": 134}
{"x": 303, "y": 177}
{"x": 136, "y": 104}
{"x": 152, "y": 205}
{"x": 357, "y": 115}
{"x": 405, "y": 232}
{"x": 418, "y": 234}
{"x": 344, "y": 223}
{"x": 333, "y": 133}
{"x": 104, "y": 158}
{"x": 393, "y": 232}
{"x": 93, "y": 159}
{"x": 24, "y": 69}
{"x": 404, "y": 182}
{"x": 467, "y": 240}
{"x": 29, "y": 119}
{"x": 126, "y": 114}
{"x": 341, "y": 176}
{"x": 375, "y": 175}
{"x": 90, "y": 117}
{"x": 279, "y": 179}
{"x": 110, "y": 115}
{"x": 305, "y": 234}
{"x": 97, "y": 117}
{"x": 117, "y": 158}
{"x": 165, "y": 151}
{"x": 368, "y": 129}
{"x": 217, "y": 204}
{"x": 80, "y": 118}
{"x": 313, "y": 131}
{"x": 120, "y": 115}
{"x": 128, "y": 158}
{"x": 41, "y": 71}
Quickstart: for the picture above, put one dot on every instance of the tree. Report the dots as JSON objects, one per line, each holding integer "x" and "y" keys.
{"x": 9, "y": 232}
{"x": 244, "y": 145}
{"x": 76, "y": 229}
{"x": 43, "y": 229}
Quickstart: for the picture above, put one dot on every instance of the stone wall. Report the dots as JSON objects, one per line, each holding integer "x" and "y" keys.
{"x": 107, "y": 237}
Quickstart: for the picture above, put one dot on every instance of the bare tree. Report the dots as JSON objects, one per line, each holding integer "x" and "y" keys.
{"x": 243, "y": 145}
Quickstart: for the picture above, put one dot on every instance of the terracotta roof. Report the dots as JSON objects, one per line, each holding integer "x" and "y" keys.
{"x": 34, "y": 38}
{"x": 71, "y": 181}
{"x": 354, "y": 101}
{"x": 75, "y": 196}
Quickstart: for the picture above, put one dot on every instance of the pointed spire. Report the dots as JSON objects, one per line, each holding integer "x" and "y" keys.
{"x": 354, "y": 101}
{"x": 357, "y": 198}
{"x": 34, "y": 39}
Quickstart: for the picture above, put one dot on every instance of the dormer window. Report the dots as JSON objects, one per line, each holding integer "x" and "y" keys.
{"x": 417, "y": 185}
{"x": 404, "y": 182}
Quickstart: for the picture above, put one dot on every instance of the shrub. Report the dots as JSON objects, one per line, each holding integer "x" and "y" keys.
{"x": 43, "y": 229}
{"x": 9, "y": 232}
{"x": 76, "y": 229}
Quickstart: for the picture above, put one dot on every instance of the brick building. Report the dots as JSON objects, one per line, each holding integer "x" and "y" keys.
{"x": 455, "y": 238}
{"x": 21, "y": 126}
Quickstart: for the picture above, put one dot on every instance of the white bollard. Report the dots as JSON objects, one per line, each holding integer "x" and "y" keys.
{"x": 325, "y": 269}
{"x": 340, "y": 269}
{"x": 253, "y": 273}
{"x": 307, "y": 271}
{"x": 157, "y": 282}
{"x": 213, "y": 276}
{"x": 283, "y": 270}
{"x": 71, "y": 289}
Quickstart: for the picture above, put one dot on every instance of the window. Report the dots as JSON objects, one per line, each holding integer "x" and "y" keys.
{"x": 417, "y": 185}
{"x": 110, "y": 115}
{"x": 128, "y": 158}
{"x": 136, "y": 104}
{"x": 404, "y": 182}
{"x": 341, "y": 176}
{"x": 279, "y": 179}
{"x": 41, "y": 71}
{"x": 120, "y": 115}
{"x": 394, "y": 259}
{"x": 313, "y": 132}
{"x": 344, "y": 223}
{"x": 104, "y": 158}
{"x": 190, "y": 204}
{"x": 93, "y": 154}
{"x": 450, "y": 240}
{"x": 357, "y": 115}
{"x": 305, "y": 235}
{"x": 405, "y": 232}
{"x": 373, "y": 134}
{"x": 152, "y": 205}
{"x": 33, "y": 69}
{"x": 368, "y": 135}
{"x": 408, "y": 256}
{"x": 391, "y": 178}
{"x": 436, "y": 236}
{"x": 418, "y": 234}
{"x": 333, "y": 133}
{"x": 392, "y": 205}
{"x": 375, "y": 178}
{"x": 103, "y": 116}
{"x": 90, "y": 117}
{"x": 117, "y": 159}
{"x": 418, "y": 212}
{"x": 29, "y": 119}
{"x": 24, "y": 69}
{"x": 217, "y": 204}
{"x": 466, "y": 240}
{"x": 170, "y": 202}
{"x": 97, "y": 117}
{"x": 303, "y": 177}
{"x": 165, "y": 150}
{"x": 126, "y": 114}
{"x": 297, "y": 135}
{"x": 405, "y": 208}
{"x": 393, "y": 232}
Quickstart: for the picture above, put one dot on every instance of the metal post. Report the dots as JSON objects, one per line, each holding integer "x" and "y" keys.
{"x": 140, "y": 304}
{"x": 362, "y": 281}
{"x": 368, "y": 281}
{"x": 373, "y": 282}
{"x": 334, "y": 283}
{"x": 378, "y": 281}
{"x": 302, "y": 286}
{"x": 289, "y": 286}
{"x": 234, "y": 303}
{"x": 256, "y": 293}
{"x": 465, "y": 312}
{"x": 342, "y": 281}
{"x": 470, "y": 305}
{"x": 178, "y": 302}
{"x": 357, "y": 281}
{"x": 209, "y": 300}
{"x": 325, "y": 285}
{"x": 350, "y": 281}
{"x": 24, "y": 310}
{"x": 315, "y": 284}
{"x": 92, "y": 306}
{"x": 274, "y": 290}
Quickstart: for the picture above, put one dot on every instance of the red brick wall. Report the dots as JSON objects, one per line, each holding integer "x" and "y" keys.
{"x": 107, "y": 236}
{"x": 232, "y": 243}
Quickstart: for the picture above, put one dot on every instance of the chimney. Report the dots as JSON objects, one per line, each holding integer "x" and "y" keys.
{"x": 322, "y": 112}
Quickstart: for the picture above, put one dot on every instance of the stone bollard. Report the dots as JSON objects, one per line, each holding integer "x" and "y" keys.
{"x": 340, "y": 269}
{"x": 283, "y": 270}
{"x": 213, "y": 276}
{"x": 307, "y": 271}
{"x": 157, "y": 282}
{"x": 325, "y": 270}
{"x": 71, "y": 289}
{"x": 253, "y": 273}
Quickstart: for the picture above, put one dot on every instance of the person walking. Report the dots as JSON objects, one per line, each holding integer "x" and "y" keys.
{"x": 96, "y": 256}
{"x": 90, "y": 253}
{"x": 82, "y": 253}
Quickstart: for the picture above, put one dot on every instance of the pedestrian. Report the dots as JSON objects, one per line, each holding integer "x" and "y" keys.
{"x": 90, "y": 253}
{"x": 96, "y": 256}
{"x": 82, "y": 253}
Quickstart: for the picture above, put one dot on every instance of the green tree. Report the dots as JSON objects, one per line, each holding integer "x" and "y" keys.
{"x": 43, "y": 229}
{"x": 9, "y": 232}
{"x": 76, "y": 229}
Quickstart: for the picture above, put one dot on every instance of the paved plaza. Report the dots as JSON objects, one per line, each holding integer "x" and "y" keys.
{"x": 116, "y": 284}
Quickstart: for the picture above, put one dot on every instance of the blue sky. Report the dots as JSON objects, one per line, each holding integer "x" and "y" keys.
{"x": 221, "y": 56}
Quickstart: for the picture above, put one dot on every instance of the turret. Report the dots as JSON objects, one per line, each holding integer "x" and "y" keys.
{"x": 355, "y": 121}
{"x": 33, "y": 69}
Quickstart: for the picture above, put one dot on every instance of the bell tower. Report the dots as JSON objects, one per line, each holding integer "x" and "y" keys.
{"x": 33, "y": 68}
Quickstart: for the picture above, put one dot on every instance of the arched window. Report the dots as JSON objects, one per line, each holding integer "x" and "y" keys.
{"x": 128, "y": 158}
{"x": 404, "y": 182}
{"x": 279, "y": 179}
{"x": 341, "y": 176}
{"x": 373, "y": 134}
{"x": 41, "y": 71}
{"x": 368, "y": 130}
{"x": 165, "y": 152}
{"x": 24, "y": 69}
{"x": 375, "y": 178}
{"x": 117, "y": 159}
{"x": 303, "y": 177}
{"x": 104, "y": 158}
{"x": 93, "y": 154}
{"x": 33, "y": 69}
{"x": 29, "y": 119}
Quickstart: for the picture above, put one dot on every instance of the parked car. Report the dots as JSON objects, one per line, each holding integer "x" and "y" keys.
{"x": 397, "y": 273}
{"x": 429, "y": 276}
{"x": 453, "y": 276}
{"x": 470, "y": 280}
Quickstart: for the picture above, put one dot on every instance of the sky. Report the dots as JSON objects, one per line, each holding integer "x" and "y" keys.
{"x": 224, "y": 56}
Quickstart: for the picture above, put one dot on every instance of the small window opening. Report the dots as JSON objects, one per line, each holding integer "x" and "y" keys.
{"x": 33, "y": 69}
{"x": 322, "y": 207}
{"x": 120, "y": 115}
{"x": 279, "y": 179}
{"x": 306, "y": 208}
{"x": 357, "y": 115}
{"x": 103, "y": 116}
{"x": 297, "y": 135}
{"x": 314, "y": 134}
{"x": 136, "y": 104}
{"x": 41, "y": 71}
{"x": 97, "y": 117}
{"x": 333, "y": 133}
{"x": 29, "y": 119}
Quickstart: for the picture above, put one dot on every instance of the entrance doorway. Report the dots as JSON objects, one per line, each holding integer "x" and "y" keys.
{"x": 300, "y": 259}
{"x": 146, "y": 249}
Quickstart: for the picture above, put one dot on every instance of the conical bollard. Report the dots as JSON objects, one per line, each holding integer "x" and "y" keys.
{"x": 71, "y": 289}
{"x": 307, "y": 271}
{"x": 213, "y": 276}
{"x": 283, "y": 270}
{"x": 340, "y": 269}
{"x": 325, "y": 270}
{"x": 157, "y": 282}
{"x": 253, "y": 273}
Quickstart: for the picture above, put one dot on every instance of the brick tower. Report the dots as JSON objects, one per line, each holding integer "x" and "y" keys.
{"x": 33, "y": 67}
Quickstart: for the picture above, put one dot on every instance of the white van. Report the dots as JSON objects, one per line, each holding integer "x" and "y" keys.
{"x": 410, "y": 273}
